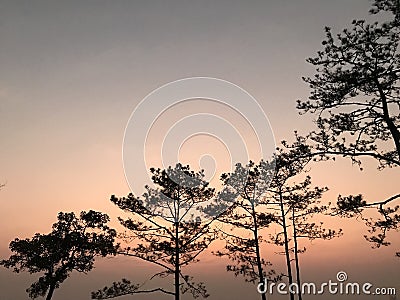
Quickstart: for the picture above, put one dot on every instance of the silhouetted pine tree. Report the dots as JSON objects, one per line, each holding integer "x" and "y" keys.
{"x": 355, "y": 95}
{"x": 72, "y": 245}
{"x": 244, "y": 219}
{"x": 166, "y": 231}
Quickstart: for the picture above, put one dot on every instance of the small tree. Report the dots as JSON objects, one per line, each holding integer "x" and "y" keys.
{"x": 246, "y": 217}
{"x": 297, "y": 204}
{"x": 303, "y": 205}
{"x": 72, "y": 245}
{"x": 355, "y": 95}
{"x": 165, "y": 231}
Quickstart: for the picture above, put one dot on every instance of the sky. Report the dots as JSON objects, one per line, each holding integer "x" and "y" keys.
{"x": 73, "y": 72}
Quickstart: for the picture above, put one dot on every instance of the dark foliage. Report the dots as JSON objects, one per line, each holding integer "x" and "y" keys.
{"x": 244, "y": 220}
{"x": 355, "y": 94}
{"x": 164, "y": 230}
{"x": 73, "y": 244}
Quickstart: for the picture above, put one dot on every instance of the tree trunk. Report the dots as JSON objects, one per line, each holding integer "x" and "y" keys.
{"x": 296, "y": 256}
{"x": 287, "y": 254}
{"x": 387, "y": 118}
{"x": 51, "y": 291}
{"x": 259, "y": 265}
{"x": 177, "y": 268}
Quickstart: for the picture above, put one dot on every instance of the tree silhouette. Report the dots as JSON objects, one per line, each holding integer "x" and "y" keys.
{"x": 304, "y": 205}
{"x": 295, "y": 204}
{"x": 246, "y": 218}
{"x": 73, "y": 244}
{"x": 166, "y": 230}
{"x": 355, "y": 95}
{"x": 266, "y": 193}
{"x": 299, "y": 204}
{"x": 287, "y": 164}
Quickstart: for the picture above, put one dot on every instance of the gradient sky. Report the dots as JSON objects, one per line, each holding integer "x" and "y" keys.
{"x": 72, "y": 72}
